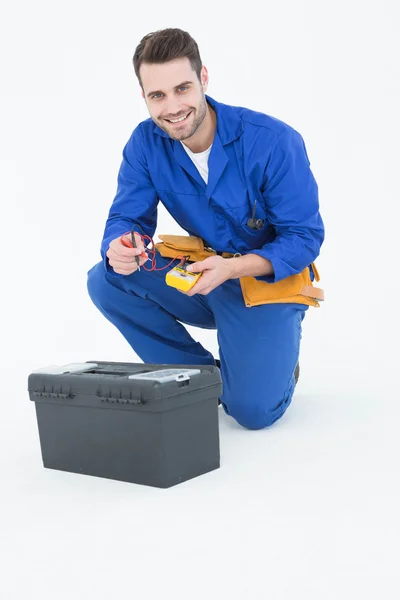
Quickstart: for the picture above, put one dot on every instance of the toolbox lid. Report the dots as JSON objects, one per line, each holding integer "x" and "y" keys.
{"x": 140, "y": 386}
{"x": 70, "y": 368}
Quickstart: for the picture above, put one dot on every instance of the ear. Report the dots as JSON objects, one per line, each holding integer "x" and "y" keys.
{"x": 204, "y": 77}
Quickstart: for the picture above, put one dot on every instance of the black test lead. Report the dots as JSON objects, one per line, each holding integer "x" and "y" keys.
{"x": 135, "y": 246}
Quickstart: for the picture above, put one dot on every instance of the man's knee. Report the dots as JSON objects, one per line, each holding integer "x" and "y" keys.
{"x": 97, "y": 283}
{"x": 256, "y": 414}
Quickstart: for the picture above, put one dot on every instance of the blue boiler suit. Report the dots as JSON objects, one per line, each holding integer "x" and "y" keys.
{"x": 254, "y": 157}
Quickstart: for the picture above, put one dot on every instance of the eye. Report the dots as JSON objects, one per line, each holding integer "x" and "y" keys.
{"x": 182, "y": 87}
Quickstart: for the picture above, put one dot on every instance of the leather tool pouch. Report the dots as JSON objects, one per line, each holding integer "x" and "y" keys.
{"x": 296, "y": 288}
{"x": 183, "y": 245}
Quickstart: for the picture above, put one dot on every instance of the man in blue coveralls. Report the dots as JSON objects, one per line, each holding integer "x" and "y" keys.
{"x": 208, "y": 163}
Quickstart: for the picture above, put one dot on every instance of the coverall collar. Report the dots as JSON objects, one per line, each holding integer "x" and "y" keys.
{"x": 229, "y": 128}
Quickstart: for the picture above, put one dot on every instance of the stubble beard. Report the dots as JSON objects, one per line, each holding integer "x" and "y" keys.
{"x": 196, "y": 123}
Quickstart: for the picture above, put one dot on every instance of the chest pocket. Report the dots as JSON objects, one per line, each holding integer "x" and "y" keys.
{"x": 239, "y": 220}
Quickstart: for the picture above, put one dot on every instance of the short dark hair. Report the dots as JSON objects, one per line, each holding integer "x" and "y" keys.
{"x": 165, "y": 45}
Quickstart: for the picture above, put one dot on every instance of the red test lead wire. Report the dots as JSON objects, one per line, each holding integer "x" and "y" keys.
{"x": 129, "y": 244}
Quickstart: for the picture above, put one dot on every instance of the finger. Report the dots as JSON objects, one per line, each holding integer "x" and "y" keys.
{"x": 118, "y": 263}
{"x": 122, "y": 260}
{"x": 192, "y": 267}
{"x": 128, "y": 257}
{"x": 143, "y": 259}
{"x": 192, "y": 291}
{"x": 127, "y": 266}
{"x": 117, "y": 248}
{"x": 199, "y": 266}
{"x": 130, "y": 249}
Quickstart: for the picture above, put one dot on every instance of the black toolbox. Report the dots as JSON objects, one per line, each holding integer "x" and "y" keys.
{"x": 95, "y": 419}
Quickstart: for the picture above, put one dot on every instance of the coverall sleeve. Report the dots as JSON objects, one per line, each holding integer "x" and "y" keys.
{"x": 290, "y": 193}
{"x": 135, "y": 202}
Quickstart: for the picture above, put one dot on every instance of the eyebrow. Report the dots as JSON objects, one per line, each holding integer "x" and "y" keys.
{"x": 176, "y": 87}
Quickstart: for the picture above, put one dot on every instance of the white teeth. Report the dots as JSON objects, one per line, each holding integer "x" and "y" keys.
{"x": 178, "y": 120}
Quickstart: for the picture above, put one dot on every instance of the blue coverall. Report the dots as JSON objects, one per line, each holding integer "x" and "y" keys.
{"x": 254, "y": 157}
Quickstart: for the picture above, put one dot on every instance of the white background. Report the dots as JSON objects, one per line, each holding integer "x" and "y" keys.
{"x": 305, "y": 509}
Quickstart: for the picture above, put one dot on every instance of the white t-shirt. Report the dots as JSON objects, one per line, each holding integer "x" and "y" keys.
{"x": 200, "y": 159}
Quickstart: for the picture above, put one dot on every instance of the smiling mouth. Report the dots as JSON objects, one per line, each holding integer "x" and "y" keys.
{"x": 180, "y": 120}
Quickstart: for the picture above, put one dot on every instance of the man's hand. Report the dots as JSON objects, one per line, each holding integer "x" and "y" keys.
{"x": 123, "y": 259}
{"x": 215, "y": 271}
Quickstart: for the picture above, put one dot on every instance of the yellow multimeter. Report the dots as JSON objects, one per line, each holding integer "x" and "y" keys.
{"x": 181, "y": 279}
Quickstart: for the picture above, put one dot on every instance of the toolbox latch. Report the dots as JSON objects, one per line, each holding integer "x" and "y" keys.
{"x": 54, "y": 395}
{"x": 182, "y": 377}
{"x": 118, "y": 399}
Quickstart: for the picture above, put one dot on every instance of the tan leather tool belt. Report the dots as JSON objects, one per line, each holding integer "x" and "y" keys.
{"x": 296, "y": 288}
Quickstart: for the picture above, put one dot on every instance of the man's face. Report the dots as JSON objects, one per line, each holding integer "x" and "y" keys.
{"x": 171, "y": 91}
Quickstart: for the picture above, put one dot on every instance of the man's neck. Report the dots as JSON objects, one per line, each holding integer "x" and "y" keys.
{"x": 206, "y": 133}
